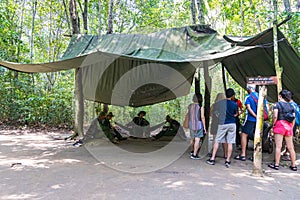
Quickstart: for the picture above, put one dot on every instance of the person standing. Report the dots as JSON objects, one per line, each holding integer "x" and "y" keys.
{"x": 228, "y": 110}
{"x": 196, "y": 124}
{"x": 250, "y": 121}
{"x": 283, "y": 123}
{"x": 238, "y": 124}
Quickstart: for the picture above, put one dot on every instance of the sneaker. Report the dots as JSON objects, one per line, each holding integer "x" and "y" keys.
{"x": 77, "y": 144}
{"x": 195, "y": 157}
{"x": 227, "y": 164}
{"x": 210, "y": 162}
{"x": 191, "y": 153}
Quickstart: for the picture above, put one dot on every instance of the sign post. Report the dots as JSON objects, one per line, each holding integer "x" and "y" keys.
{"x": 257, "y": 154}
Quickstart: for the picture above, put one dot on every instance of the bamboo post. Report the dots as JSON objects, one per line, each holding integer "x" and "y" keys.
{"x": 278, "y": 69}
{"x": 257, "y": 154}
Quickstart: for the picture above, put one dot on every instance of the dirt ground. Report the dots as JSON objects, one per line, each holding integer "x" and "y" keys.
{"x": 42, "y": 165}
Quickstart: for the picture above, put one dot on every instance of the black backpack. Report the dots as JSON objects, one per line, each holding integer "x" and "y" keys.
{"x": 286, "y": 112}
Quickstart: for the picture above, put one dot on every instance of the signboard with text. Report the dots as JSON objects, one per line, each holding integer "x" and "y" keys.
{"x": 271, "y": 80}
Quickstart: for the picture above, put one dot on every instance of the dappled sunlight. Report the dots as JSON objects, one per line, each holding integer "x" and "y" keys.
{"x": 203, "y": 183}
{"x": 19, "y": 196}
{"x": 58, "y": 186}
{"x": 66, "y": 161}
{"x": 176, "y": 184}
{"x": 21, "y": 163}
{"x": 18, "y": 164}
{"x": 229, "y": 186}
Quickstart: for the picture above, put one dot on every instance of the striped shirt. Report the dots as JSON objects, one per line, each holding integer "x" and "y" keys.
{"x": 195, "y": 122}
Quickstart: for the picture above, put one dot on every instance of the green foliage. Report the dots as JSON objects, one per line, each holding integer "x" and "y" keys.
{"x": 25, "y": 103}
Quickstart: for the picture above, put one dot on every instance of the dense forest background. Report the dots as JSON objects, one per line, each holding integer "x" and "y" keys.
{"x": 39, "y": 31}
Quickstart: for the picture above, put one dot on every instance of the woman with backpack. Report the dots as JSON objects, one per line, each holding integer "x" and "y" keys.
{"x": 283, "y": 123}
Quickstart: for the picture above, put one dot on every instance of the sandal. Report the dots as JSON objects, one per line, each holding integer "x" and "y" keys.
{"x": 227, "y": 163}
{"x": 273, "y": 166}
{"x": 293, "y": 168}
{"x": 210, "y": 162}
{"x": 239, "y": 157}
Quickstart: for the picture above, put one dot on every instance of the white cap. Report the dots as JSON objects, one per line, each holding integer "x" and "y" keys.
{"x": 251, "y": 87}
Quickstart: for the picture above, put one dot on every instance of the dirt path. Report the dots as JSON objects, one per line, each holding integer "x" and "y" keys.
{"x": 44, "y": 166}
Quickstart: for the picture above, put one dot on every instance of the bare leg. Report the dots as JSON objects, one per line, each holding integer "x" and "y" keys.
{"x": 229, "y": 151}
{"x": 225, "y": 149}
{"x": 196, "y": 145}
{"x": 278, "y": 144}
{"x": 192, "y": 141}
{"x": 215, "y": 149}
{"x": 290, "y": 147}
{"x": 244, "y": 144}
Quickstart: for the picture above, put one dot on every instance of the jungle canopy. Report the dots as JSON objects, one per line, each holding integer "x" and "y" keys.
{"x": 144, "y": 69}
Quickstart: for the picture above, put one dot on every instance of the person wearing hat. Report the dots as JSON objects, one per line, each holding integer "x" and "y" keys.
{"x": 226, "y": 133}
{"x": 113, "y": 131}
{"x": 140, "y": 120}
{"x": 98, "y": 129}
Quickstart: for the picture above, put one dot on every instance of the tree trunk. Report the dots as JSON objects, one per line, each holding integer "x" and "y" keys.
{"x": 193, "y": 11}
{"x": 278, "y": 69}
{"x": 34, "y": 4}
{"x": 79, "y": 104}
{"x": 110, "y": 17}
{"x": 209, "y": 13}
{"x": 99, "y": 17}
{"x": 257, "y": 154}
{"x": 85, "y": 16}
{"x": 287, "y": 6}
{"x": 74, "y": 17}
{"x": 242, "y": 17}
{"x": 256, "y": 17}
{"x": 200, "y": 12}
{"x": 67, "y": 16}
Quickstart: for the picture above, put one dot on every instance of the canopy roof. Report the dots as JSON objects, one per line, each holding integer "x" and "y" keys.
{"x": 143, "y": 69}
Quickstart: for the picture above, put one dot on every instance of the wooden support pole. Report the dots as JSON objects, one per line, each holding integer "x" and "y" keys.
{"x": 257, "y": 154}
{"x": 224, "y": 77}
{"x": 207, "y": 96}
{"x": 278, "y": 69}
{"x": 79, "y": 104}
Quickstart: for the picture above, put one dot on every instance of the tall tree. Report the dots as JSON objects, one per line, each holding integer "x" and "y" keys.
{"x": 79, "y": 103}
{"x": 278, "y": 69}
{"x": 74, "y": 17}
{"x": 110, "y": 17}
{"x": 257, "y": 22}
{"x": 99, "y": 17}
{"x": 200, "y": 11}
{"x": 193, "y": 11}
{"x": 34, "y": 4}
{"x": 242, "y": 17}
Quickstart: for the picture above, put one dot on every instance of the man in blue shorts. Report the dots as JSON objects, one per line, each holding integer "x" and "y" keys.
{"x": 250, "y": 121}
{"x": 227, "y": 112}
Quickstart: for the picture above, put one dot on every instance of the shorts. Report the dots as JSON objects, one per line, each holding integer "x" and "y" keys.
{"x": 249, "y": 129}
{"x": 196, "y": 134}
{"x": 283, "y": 127}
{"x": 226, "y": 133}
